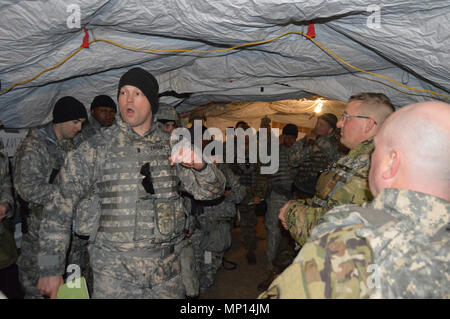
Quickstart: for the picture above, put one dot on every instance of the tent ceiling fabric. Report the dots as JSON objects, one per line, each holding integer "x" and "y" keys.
{"x": 410, "y": 47}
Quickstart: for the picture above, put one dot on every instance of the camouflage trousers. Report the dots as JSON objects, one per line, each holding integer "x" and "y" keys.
{"x": 79, "y": 255}
{"x": 207, "y": 262}
{"x": 189, "y": 273}
{"x": 27, "y": 263}
{"x": 135, "y": 274}
{"x": 248, "y": 225}
{"x": 272, "y": 224}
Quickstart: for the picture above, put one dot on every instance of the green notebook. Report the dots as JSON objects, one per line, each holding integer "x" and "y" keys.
{"x": 73, "y": 290}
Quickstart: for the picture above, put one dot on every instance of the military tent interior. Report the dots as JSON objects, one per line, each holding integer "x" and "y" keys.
{"x": 228, "y": 59}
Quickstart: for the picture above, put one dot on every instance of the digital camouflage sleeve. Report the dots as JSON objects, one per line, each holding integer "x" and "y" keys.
{"x": 397, "y": 246}
{"x": 333, "y": 265}
{"x": 5, "y": 181}
{"x": 32, "y": 167}
{"x": 349, "y": 187}
{"x": 301, "y": 151}
{"x": 237, "y": 190}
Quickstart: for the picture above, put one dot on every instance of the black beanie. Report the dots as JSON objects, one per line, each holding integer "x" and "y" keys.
{"x": 103, "y": 100}
{"x": 330, "y": 118}
{"x": 145, "y": 82}
{"x": 67, "y": 109}
{"x": 290, "y": 129}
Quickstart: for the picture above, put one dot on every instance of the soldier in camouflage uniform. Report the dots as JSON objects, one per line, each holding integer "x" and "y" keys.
{"x": 346, "y": 181}
{"x": 212, "y": 234}
{"x": 255, "y": 189}
{"x": 168, "y": 116}
{"x": 278, "y": 194}
{"x": 397, "y": 246}
{"x": 313, "y": 154}
{"x": 9, "y": 281}
{"x": 137, "y": 218}
{"x": 103, "y": 114}
{"x": 36, "y": 164}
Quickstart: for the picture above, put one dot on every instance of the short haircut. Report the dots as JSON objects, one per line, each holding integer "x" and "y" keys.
{"x": 376, "y": 105}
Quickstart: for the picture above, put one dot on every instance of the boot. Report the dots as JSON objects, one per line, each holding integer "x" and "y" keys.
{"x": 251, "y": 258}
{"x": 228, "y": 265}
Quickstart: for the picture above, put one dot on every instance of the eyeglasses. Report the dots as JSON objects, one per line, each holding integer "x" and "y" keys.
{"x": 346, "y": 116}
{"x": 147, "y": 181}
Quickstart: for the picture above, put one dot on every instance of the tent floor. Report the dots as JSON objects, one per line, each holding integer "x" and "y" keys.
{"x": 241, "y": 282}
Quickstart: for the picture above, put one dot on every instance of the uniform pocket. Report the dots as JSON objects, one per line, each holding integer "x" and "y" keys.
{"x": 170, "y": 217}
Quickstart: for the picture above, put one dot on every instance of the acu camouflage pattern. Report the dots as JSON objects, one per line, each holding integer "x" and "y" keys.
{"x": 281, "y": 181}
{"x": 90, "y": 128}
{"x": 167, "y": 112}
{"x": 346, "y": 182}
{"x": 124, "y": 202}
{"x": 213, "y": 232}
{"x": 280, "y": 185}
{"x": 311, "y": 160}
{"x": 37, "y": 156}
{"x": 395, "y": 247}
{"x": 255, "y": 185}
{"x": 412, "y": 252}
{"x": 5, "y": 180}
{"x": 8, "y": 251}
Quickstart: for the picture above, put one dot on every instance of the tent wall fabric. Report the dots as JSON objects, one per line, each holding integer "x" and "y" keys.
{"x": 406, "y": 41}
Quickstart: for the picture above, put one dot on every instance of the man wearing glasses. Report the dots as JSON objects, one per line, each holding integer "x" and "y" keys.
{"x": 396, "y": 246}
{"x": 346, "y": 181}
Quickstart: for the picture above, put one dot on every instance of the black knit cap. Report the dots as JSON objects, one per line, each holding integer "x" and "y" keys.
{"x": 103, "y": 100}
{"x": 67, "y": 109}
{"x": 290, "y": 129}
{"x": 330, "y": 118}
{"x": 145, "y": 82}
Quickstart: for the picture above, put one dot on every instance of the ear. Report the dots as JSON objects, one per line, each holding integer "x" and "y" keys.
{"x": 330, "y": 130}
{"x": 370, "y": 123}
{"x": 393, "y": 164}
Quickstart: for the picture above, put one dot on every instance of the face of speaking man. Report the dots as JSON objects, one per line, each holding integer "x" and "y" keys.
{"x": 135, "y": 108}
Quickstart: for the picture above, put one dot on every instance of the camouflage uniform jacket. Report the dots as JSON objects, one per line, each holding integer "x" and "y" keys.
{"x": 255, "y": 184}
{"x": 89, "y": 129}
{"x": 215, "y": 219}
{"x": 8, "y": 252}
{"x": 39, "y": 156}
{"x": 5, "y": 181}
{"x": 226, "y": 207}
{"x": 395, "y": 247}
{"x": 82, "y": 171}
{"x": 311, "y": 159}
{"x": 346, "y": 182}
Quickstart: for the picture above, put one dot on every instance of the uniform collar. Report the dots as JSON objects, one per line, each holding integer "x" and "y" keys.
{"x": 365, "y": 147}
{"x": 423, "y": 209}
{"x": 128, "y": 130}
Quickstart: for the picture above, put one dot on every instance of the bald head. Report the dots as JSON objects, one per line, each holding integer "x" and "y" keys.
{"x": 413, "y": 150}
